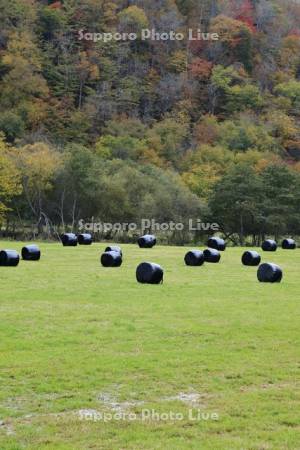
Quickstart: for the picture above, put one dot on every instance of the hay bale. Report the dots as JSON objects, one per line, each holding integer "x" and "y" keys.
{"x": 114, "y": 248}
{"x": 31, "y": 253}
{"x": 69, "y": 240}
{"x": 211, "y": 255}
{"x": 85, "y": 239}
{"x": 149, "y": 273}
{"x": 194, "y": 258}
{"x": 111, "y": 259}
{"x": 269, "y": 273}
{"x": 288, "y": 244}
{"x": 269, "y": 245}
{"x": 216, "y": 243}
{"x": 9, "y": 258}
{"x": 251, "y": 258}
{"x": 147, "y": 241}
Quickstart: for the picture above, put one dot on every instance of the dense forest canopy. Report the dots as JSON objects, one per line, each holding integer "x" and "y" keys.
{"x": 170, "y": 129}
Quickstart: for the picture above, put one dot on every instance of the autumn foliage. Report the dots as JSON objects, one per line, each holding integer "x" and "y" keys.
{"x": 85, "y": 116}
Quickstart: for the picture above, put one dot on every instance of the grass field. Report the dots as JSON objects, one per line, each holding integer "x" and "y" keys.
{"x": 75, "y": 336}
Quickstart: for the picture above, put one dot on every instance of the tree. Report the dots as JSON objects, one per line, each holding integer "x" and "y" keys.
{"x": 278, "y": 204}
{"x": 133, "y": 19}
{"x": 236, "y": 42}
{"x": 232, "y": 91}
{"x": 245, "y": 135}
{"x": 200, "y": 69}
{"x": 38, "y": 165}
{"x": 71, "y": 196}
{"x": 291, "y": 91}
{"x": 22, "y": 68}
{"x": 122, "y": 147}
{"x": 290, "y": 54}
{"x": 10, "y": 185}
{"x": 235, "y": 202}
{"x": 168, "y": 139}
{"x": 204, "y": 166}
{"x": 50, "y": 22}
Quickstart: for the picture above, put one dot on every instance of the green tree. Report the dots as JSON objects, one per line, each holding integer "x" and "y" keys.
{"x": 122, "y": 147}
{"x": 235, "y": 202}
{"x": 232, "y": 91}
{"x": 279, "y": 198}
{"x": 290, "y": 91}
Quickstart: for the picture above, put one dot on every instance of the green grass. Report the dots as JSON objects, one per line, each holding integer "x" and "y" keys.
{"x": 75, "y": 336}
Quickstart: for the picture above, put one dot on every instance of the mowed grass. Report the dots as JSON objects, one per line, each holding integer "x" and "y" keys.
{"x": 76, "y": 336}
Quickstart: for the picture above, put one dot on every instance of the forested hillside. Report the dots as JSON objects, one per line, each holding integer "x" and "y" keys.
{"x": 164, "y": 129}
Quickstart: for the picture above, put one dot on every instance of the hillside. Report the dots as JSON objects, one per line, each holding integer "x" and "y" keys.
{"x": 94, "y": 125}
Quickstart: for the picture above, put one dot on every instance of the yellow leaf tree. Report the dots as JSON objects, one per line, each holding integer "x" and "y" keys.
{"x": 9, "y": 178}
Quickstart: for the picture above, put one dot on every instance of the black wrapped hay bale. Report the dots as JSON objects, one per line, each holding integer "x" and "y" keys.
{"x": 69, "y": 240}
{"x": 288, "y": 244}
{"x": 211, "y": 255}
{"x": 147, "y": 241}
{"x": 150, "y": 273}
{"x": 194, "y": 258}
{"x": 216, "y": 243}
{"x": 269, "y": 246}
{"x": 31, "y": 253}
{"x": 9, "y": 258}
{"x": 111, "y": 259}
{"x": 85, "y": 239}
{"x": 251, "y": 258}
{"x": 269, "y": 273}
{"x": 114, "y": 248}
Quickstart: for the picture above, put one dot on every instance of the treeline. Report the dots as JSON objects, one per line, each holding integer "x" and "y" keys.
{"x": 47, "y": 192}
{"x": 169, "y": 130}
